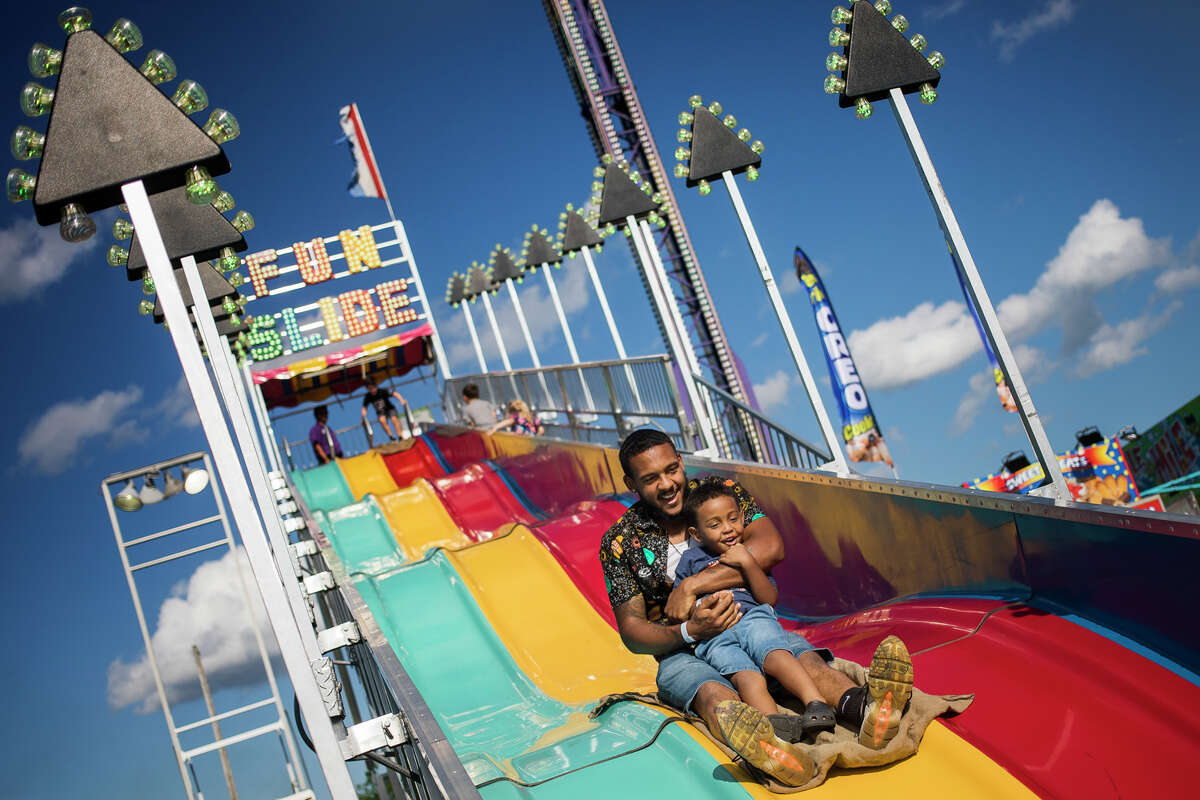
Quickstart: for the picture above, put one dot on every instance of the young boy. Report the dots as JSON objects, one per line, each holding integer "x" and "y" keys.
{"x": 756, "y": 643}
{"x": 381, "y": 399}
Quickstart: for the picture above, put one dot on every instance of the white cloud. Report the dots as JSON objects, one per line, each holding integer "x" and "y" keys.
{"x": 1178, "y": 280}
{"x": 759, "y": 340}
{"x": 981, "y": 388}
{"x": 774, "y": 390}
{"x": 209, "y": 611}
{"x": 177, "y": 405}
{"x": 1012, "y": 35}
{"x": 944, "y": 9}
{"x": 33, "y": 257}
{"x": 927, "y": 340}
{"x": 790, "y": 284}
{"x": 51, "y": 443}
{"x": 1113, "y": 345}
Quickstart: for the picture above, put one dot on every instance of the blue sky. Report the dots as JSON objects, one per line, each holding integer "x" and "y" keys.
{"x": 1063, "y": 135}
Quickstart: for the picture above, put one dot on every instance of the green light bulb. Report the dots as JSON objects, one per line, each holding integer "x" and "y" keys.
{"x": 145, "y": 307}
{"x": 44, "y": 60}
{"x": 657, "y": 197}
{"x": 695, "y": 101}
{"x": 715, "y": 108}
{"x": 918, "y": 42}
{"x": 221, "y": 126}
{"x": 228, "y": 259}
{"x": 223, "y": 201}
{"x": 201, "y": 188}
{"x": 190, "y": 97}
{"x": 26, "y": 143}
{"x": 757, "y": 146}
{"x": 751, "y": 174}
{"x": 20, "y": 185}
{"x": 684, "y": 135}
{"x": 74, "y": 20}
{"x": 652, "y": 218}
{"x": 147, "y": 284}
{"x": 628, "y": 233}
{"x": 840, "y": 15}
{"x": 636, "y": 177}
{"x": 900, "y": 22}
{"x": 883, "y": 7}
{"x": 605, "y": 159}
{"x": 730, "y": 121}
{"x": 834, "y": 84}
{"x": 862, "y": 108}
{"x": 235, "y": 279}
{"x": 928, "y": 93}
{"x": 597, "y": 186}
{"x": 158, "y": 67}
{"x": 229, "y": 306}
{"x": 36, "y": 100}
{"x": 838, "y": 38}
{"x": 598, "y": 172}
{"x": 682, "y": 154}
{"x": 74, "y": 224}
{"x": 936, "y": 59}
{"x": 124, "y": 35}
{"x": 686, "y": 118}
{"x": 835, "y": 62}
{"x": 235, "y": 320}
{"x": 705, "y": 187}
{"x": 122, "y": 229}
{"x": 609, "y": 230}
{"x": 681, "y": 170}
{"x": 744, "y": 134}
{"x": 118, "y": 257}
{"x": 243, "y": 221}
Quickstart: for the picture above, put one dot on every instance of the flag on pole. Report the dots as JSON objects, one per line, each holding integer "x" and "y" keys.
{"x": 1002, "y": 388}
{"x": 366, "y": 181}
{"x": 860, "y": 430}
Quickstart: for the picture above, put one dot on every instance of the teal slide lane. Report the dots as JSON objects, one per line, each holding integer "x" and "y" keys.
{"x": 323, "y": 487}
{"x": 361, "y": 537}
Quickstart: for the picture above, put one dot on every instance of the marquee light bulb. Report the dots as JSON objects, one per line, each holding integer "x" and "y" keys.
{"x": 243, "y": 221}
{"x": 757, "y": 147}
{"x": 840, "y": 15}
{"x": 684, "y": 135}
{"x": 682, "y": 153}
{"x": 883, "y": 7}
{"x": 74, "y": 20}
{"x": 605, "y": 159}
{"x": 598, "y": 172}
{"x": 928, "y": 93}
{"x": 695, "y": 101}
{"x": 20, "y": 185}
{"x": 228, "y": 259}
{"x": 158, "y": 67}
{"x": 221, "y": 126}
{"x": 122, "y": 229}
{"x": 75, "y": 225}
{"x": 730, "y": 121}
{"x": 44, "y": 60}
{"x": 751, "y": 174}
{"x": 223, "y": 201}
{"x": 200, "y": 186}
{"x": 918, "y": 42}
{"x": 686, "y": 118}
{"x": 715, "y": 108}
{"x": 744, "y": 134}
{"x": 862, "y": 108}
{"x": 936, "y": 59}
{"x": 235, "y": 279}
{"x": 681, "y": 170}
{"x": 838, "y": 38}
{"x": 190, "y": 97}
{"x": 835, "y": 62}
{"x": 609, "y": 230}
{"x": 147, "y": 284}
{"x": 118, "y": 257}
{"x": 145, "y": 307}
{"x": 124, "y": 35}
{"x": 834, "y": 84}
{"x": 36, "y": 100}
{"x": 26, "y": 143}
{"x": 705, "y": 187}
{"x": 900, "y": 22}
{"x": 235, "y": 320}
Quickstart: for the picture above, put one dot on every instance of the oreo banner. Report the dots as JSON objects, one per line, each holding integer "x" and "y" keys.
{"x": 1002, "y": 388}
{"x": 860, "y": 430}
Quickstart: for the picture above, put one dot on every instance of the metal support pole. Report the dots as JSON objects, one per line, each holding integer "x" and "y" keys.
{"x": 707, "y": 439}
{"x": 789, "y": 333}
{"x": 264, "y": 419}
{"x": 491, "y": 315}
{"x": 979, "y": 296}
{"x": 216, "y": 726}
{"x": 562, "y": 321}
{"x": 483, "y": 367}
{"x": 229, "y": 470}
{"x": 537, "y": 362}
{"x": 406, "y": 252}
{"x": 612, "y": 325}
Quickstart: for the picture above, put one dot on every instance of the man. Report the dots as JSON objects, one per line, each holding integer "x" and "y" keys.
{"x": 381, "y": 399}
{"x": 638, "y": 555}
{"x": 324, "y": 441}
{"x": 477, "y": 413}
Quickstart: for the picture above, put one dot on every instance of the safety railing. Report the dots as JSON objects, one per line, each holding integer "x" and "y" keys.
{"x": 596, "y": 401}
{"x": 354, "y": 439}
{"x": 782, "y": 447}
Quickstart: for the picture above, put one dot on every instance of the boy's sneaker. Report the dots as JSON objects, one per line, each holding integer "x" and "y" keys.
{"x": 889, "y": 686}
{"x": 749, "y": 733}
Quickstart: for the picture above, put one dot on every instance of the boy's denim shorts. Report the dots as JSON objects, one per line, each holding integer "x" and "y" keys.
{"x": 681, "y": 674}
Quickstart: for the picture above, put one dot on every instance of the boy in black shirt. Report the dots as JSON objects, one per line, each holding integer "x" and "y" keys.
{"x": 381, "y": 399}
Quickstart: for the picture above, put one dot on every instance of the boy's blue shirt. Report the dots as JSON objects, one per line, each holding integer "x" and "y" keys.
{"x": 696, "y": 559}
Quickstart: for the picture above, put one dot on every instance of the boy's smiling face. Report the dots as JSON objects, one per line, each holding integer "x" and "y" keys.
{"x": 719, "y": 524}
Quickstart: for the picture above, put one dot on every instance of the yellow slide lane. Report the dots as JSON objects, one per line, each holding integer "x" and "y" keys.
{"x": 419, "y": 520}
{"x": 367, "y": 474}
{"x": 552, "y": 633}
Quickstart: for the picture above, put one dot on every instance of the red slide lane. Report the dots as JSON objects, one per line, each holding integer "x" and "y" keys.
{"x": 574, "y": 540}
{"x": 417, "y": 461}
{"x": 479, "y": 502}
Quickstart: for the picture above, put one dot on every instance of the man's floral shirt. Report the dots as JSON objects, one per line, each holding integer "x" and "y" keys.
{"x": 633, "y": 553}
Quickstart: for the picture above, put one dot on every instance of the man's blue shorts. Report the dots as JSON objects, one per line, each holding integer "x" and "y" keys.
{"x": 681, "y": 674}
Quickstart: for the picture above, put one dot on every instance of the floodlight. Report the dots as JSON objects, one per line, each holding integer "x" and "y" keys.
{"x": 1089, "y": 436}
{"x": 171, "y": 485}
{"x": 127, "y": 499}
{"x": 195, "y": 480}
{"x": 150, "y": 493}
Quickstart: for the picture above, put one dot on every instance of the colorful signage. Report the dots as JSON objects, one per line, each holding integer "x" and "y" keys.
{"x": 1170, "y": 449}
{"x": 1096, "y": 474}
{"x": 860, "y": 430}
{"x": 334, "y": 317}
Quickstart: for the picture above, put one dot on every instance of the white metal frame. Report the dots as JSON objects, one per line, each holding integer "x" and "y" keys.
{"x": 533, "y": 354}
{"x": 562, "y": 321}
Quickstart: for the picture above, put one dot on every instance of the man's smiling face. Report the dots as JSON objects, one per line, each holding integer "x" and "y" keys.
{"x": 658, "y": 477}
